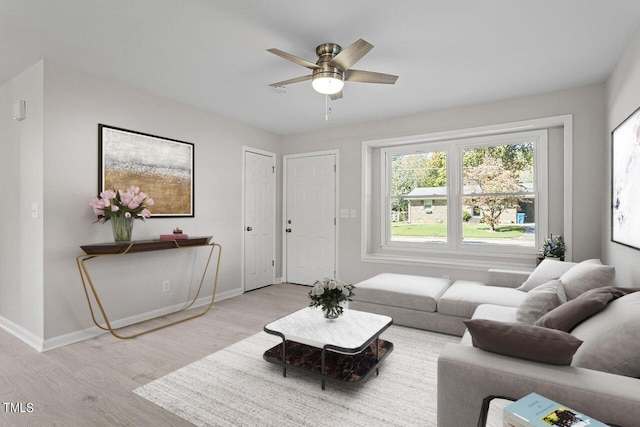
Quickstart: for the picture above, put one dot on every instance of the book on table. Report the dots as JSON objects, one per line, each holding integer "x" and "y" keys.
{"x": 535, "y": 410}
{"x": 174, "y": 236}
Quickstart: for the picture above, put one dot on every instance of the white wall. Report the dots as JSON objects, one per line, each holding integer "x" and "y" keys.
{"x": 74, "y": 104}
{"x": 586, "y": 104}
{"x": 623, "y": 98}
{"x": 21, "y": 246}
{"x": 43, "y": 272}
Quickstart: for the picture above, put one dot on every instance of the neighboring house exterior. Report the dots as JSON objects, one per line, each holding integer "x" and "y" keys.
{"x": 428, "y": 205}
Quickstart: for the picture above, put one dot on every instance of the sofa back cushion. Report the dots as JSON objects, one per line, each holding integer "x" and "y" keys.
{"x": 589, "y": 274}
{"x": 568, "y": 315}
{"x": 611, "y": 338}
{"x": 540, "y": 301}
{"x": 548, "y": 269}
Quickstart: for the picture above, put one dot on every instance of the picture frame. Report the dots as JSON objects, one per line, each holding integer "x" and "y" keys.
{"x": 163, "y": 168}
{"x": 625, "y": 175}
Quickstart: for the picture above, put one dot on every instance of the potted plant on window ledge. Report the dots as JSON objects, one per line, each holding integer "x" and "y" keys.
{"x": 553, "y": 247}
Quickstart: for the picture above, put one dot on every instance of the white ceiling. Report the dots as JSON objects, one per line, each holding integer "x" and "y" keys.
{"x": 212, "y": 53}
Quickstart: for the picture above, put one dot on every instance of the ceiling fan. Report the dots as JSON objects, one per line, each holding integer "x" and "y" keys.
{"x": 333, "y": 68}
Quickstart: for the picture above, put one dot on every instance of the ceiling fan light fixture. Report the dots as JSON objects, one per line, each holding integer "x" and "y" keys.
{"x": 333, "y": 67}
{"x": 327, "y": 85}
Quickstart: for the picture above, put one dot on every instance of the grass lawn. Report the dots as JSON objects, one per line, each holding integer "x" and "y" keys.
{"x": 469, "y": 230}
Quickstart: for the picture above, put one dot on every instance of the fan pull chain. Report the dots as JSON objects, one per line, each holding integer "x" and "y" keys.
{"x": 327, "y": 109}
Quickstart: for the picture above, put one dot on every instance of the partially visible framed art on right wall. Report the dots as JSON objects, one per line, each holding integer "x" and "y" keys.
{"x": 625, "y": 182}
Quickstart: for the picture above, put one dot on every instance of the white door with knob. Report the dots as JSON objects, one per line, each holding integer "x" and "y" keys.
{"x": 310, "y": 217}
{"x": 259, "y": 219}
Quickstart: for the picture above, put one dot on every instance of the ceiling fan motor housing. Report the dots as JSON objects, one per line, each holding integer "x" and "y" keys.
{"x": 326, "y": 52}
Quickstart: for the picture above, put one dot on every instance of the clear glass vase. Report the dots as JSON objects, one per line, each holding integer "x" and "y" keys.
{"x": 122, "y": 228}
{"x": 332, "y": 312}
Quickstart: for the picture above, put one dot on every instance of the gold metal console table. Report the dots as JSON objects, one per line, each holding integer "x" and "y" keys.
{"x": 117, "y": 249}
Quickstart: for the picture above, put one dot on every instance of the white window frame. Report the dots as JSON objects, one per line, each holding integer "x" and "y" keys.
{"x": 371, "y": 248}
{"x": 454, "y": 149}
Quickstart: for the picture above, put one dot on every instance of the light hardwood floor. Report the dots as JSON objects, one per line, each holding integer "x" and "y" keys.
{"x": 90, "y": 383}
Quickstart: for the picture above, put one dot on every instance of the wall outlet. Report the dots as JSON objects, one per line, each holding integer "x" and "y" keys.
{"x": 166, "y": 286}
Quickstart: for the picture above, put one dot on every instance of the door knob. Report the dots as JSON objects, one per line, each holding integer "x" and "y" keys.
{"x": 288, "y": 230}
{"x": 249, "y": 228}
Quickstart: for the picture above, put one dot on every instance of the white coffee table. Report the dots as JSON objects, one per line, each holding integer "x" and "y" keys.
{"x": 347, "y": 349}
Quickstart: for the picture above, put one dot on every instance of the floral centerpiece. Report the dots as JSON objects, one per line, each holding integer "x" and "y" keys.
{"x": 554, "y": 247}
{"x": 329, "y": 294}
{"x": 122, "y": 207}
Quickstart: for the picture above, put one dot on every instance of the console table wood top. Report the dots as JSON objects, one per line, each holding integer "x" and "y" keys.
{"x": 112, "y": 248}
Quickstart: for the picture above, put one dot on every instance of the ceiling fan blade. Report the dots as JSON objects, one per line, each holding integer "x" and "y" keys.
{"x": 351, "y": 54}
{"x": 336, "y": 96}
{"x": 369, "y": 77}
{"x": 291, "y": 81}
{"x": 293, "y": 58}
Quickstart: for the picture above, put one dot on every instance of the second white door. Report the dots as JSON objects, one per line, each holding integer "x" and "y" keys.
{"x": 259, "y": 216}
{"x": 310, "y": 218}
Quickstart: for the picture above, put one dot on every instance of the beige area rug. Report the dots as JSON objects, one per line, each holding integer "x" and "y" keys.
{"x": 236, "y": 387}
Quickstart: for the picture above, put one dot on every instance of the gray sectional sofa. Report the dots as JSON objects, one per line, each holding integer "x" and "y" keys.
{"x": 601, "y": 377}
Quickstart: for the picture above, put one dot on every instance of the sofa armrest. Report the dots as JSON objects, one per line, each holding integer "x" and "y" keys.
{"x": 466, "y": 375}
{"x": 506, "y": 278}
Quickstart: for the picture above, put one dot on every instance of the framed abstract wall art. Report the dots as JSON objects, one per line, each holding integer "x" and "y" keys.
{"x": 162, "y": 167}
{"x": 625, "y": 182}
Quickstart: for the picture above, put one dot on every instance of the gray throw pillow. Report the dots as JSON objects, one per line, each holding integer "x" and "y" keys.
{"x": 548, "y": 269}
{"x": 586, "y": 275}
{"x": 523, "y": 341}
{"x": 540, "y": 301}
{"x": 568, "y": 315}
{"x": 612, "y": 338}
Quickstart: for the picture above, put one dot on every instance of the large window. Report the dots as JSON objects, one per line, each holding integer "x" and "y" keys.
{"x": 498, "y": 189}
{"x": 418, "y": 199}
{"x": 472, "y": 194}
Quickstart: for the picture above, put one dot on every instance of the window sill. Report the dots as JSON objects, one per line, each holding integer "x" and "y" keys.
{"x": 458, "y": 261}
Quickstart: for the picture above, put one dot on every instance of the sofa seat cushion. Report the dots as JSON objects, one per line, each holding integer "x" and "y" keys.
{"x": 463, "y": 296}
{"x": 500, "y": 313}
{"x": 402, "y": 290}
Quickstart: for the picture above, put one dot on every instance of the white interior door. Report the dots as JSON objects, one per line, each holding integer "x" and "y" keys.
{"x": 259, "y": 220}
{"x": 310, "y": 218}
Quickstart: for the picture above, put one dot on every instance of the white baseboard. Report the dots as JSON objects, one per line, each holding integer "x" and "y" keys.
{"x": 22, "y": 334}
{"x": 73, "y": 337}
{"x": 229, "y": 294}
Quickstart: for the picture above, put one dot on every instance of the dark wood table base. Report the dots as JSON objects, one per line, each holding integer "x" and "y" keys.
{"x": 345, "y": 368}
